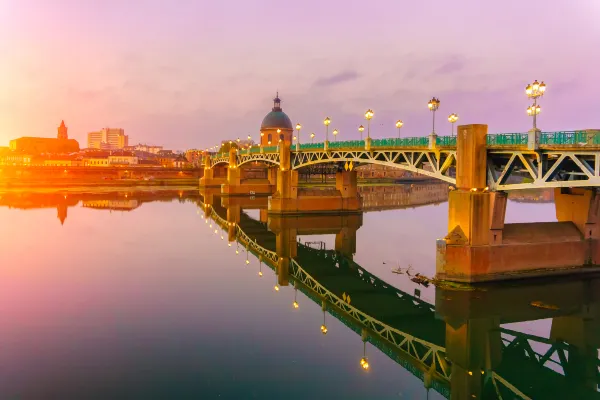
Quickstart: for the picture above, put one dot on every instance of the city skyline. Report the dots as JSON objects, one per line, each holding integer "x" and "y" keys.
{"x": 175, "y": 76}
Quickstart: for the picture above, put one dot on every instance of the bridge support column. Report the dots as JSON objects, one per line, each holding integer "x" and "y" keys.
{"x": 481, "y": 247}
{"x": 213, "y": 176}
{"x": 290, "y": 199}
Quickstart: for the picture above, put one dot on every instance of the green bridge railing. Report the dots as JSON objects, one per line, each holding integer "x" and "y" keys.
{"x": 446, "y": 141}
{"x": 564, "y": 138}
{"x": 422, "y": 141}
{"x": 311, "y": 146}
{"x": 507, "y": 139}
{"x": 347, "y": 144}
{"x": 270, "y": 149}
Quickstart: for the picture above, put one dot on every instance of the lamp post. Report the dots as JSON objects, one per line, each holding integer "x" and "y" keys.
{"x": 335, "y": 132}
{"x": 326, "y": 122}
{"x": 533, "y": 91}
{"x": 399, "y": 124}
{"x": 433, "y": 105}
{"x": 368, "y": 116}
{"x": 452, "y": 118}
{"x": 361, "y": 129}
{"x": 312, "y": 137}
{"x": 298, "y": 127}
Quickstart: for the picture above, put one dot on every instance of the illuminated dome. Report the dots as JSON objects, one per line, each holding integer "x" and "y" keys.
{"x": 276, "y": 119}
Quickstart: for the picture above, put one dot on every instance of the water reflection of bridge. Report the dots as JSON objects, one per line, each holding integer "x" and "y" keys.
{"x": 458, "y": 348}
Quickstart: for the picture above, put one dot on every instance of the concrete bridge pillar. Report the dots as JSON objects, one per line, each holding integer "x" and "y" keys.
{"x": 481, "y": 247}
{"x": 289, "y": 199}
{"x": 213, "y": 176}
{"x": 237, "y": 185}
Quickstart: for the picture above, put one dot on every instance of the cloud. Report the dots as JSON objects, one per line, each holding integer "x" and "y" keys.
{"x": 454, "y": 65}
{"x": 337, "y": 78}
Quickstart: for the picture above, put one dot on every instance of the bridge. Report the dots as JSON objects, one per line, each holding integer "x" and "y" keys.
{"x": 457, "y": 348}
{"x": 481, "y": 168}
{"x": 547, "y": 159}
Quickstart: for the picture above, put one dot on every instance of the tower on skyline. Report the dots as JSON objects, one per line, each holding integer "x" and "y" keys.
{"x": 276, "y": 126}
{"x": 62, "y": 131}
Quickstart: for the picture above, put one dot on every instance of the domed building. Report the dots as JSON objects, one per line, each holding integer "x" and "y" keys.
{"x": 276, "y": 126}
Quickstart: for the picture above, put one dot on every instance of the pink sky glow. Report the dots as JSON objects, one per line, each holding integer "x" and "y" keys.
{"x": 189, "y": 73}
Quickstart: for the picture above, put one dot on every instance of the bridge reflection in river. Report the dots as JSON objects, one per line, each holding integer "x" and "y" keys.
{"x": 460, "y": 344}
{"x": 460, "y": 347}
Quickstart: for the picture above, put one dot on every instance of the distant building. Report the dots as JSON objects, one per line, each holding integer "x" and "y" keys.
{"x": 194, "y": 157}
{"x": 17, "y": 159}
{"x": 147, "y": 148}
{"x": 41, "y": 145}
{"x": 58, "y": 161}
{"x": 181, "y": 162}
{"x": 123, "y": 159}
{"x": 108, "y": 138}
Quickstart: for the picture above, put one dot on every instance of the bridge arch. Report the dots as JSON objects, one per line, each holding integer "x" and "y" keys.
{"x": 265, "y": 159}
{"x": 439, "y": 161}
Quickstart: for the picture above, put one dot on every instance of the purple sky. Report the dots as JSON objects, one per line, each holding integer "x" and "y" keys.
{"x": 190, "y": 75}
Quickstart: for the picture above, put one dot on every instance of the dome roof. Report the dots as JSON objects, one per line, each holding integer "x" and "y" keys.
{"x": 276, "y": 119}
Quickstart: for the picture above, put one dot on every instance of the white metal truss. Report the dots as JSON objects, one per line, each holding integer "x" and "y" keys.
{"x": 224, "y": 159}
{"x": 512, "y": 170}
{"x": 271, "y": 158}
{"x": 433, "y": 163}
{"x": 506, "y": 169}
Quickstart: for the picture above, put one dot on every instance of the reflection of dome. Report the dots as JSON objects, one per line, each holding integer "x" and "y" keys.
{"x": 276, "y": 118}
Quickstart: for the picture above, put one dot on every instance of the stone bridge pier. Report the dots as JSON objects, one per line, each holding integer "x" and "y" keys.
{"x": 481, "y": 247}
{"x": 214, "y": 176}
{"x": 290, "y": 199}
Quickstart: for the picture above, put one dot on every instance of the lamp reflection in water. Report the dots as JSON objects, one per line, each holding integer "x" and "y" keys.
{"x": 260, "y": 274}
{"x": 323, "y": 327}
{"x": 237, "y": 247}
{"x": 296, "y": 305}
{"x": 364, "y": 361}
{"x": 247, "y": 253}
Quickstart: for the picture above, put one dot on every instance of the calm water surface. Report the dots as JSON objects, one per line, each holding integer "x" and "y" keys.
{"x": 134, "y": 296}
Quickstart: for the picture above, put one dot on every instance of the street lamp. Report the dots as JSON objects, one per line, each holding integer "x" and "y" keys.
{"x": 399, "y": 124}
{"x": 433, "y": 105}
{"x": 312, "y": 137}
{"x": 326, "y": 122}
{"x": 452, "y": 118}
{"x": 335, "y": 132}
{"x": 533, "y": 91}
{"x": 368, "y": 116}
{"x": 361, "y": 129}
{"x": 298, "y": 127}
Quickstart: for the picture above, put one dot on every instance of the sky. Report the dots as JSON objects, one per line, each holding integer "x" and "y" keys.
{"x": 189, "y": 73}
